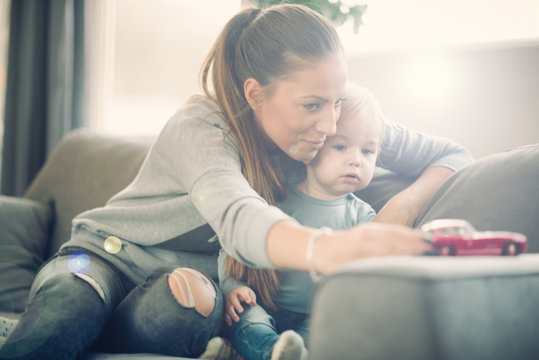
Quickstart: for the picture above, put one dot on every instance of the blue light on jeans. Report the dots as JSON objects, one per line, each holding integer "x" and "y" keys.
{"x": 78, "y": 262}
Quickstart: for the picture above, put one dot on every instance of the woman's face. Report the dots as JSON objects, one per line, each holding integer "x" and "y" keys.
{"x": 300, "y": 111}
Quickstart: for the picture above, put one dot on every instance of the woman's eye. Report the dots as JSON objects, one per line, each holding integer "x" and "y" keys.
{"x": 338, "y": 103}
{"x": 311, "y": 107}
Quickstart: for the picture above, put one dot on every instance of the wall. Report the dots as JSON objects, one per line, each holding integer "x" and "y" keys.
{"x": 484, "y": 96}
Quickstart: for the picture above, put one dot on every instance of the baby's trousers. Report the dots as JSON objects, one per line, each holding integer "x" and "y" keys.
{"x": 80, "y": 302}
{"x": 259, "y": 329}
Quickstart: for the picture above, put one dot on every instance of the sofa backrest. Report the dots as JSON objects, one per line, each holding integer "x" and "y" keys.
{"x": 82, "y": 173}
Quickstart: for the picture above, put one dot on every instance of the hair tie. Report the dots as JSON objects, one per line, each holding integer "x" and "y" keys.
{"x": 253, "y": 16}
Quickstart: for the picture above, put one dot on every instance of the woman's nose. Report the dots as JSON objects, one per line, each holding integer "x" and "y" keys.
{"x": 328, "y": 123}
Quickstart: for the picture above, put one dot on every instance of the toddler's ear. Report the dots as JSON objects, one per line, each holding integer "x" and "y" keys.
{"x": 254, "y": 92}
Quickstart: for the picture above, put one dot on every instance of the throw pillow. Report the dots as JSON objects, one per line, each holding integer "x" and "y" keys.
{"x": 24, "y": 233}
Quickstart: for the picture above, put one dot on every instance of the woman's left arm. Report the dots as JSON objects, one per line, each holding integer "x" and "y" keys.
{"x": 406, "y": 206}
{"x": 429, "y": 159}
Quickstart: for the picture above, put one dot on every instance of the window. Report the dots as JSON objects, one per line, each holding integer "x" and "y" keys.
{"x": 4, "y": 40}
{"x": 149, "y": 59}
{"x": 150, "y": 51}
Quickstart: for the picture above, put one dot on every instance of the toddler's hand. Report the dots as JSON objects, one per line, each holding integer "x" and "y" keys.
{"x": 233, "y": 303}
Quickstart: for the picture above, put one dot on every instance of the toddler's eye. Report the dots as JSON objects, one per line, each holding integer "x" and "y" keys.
{"x": 338, "y": 103}
{"x": 368, "y": 152}
{"x": 311, "y": 107}
{"x": 339, "y": 147}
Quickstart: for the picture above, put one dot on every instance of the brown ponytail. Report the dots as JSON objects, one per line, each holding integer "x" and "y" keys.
{"x": 267, "y": 45}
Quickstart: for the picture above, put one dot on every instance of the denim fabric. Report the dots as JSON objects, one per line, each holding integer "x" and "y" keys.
{"x": 258, "y": 330}
{"x": 64, "y": 314}
{"x": 150, "y": 320}
{"x": 67, "y": 312}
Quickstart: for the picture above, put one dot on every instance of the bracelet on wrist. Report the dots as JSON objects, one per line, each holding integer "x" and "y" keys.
{"x": 309, "y": 254}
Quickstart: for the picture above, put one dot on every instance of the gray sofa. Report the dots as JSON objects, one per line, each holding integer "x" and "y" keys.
{"x": 394, "y": 308}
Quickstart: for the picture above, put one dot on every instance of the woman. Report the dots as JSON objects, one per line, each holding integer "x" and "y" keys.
{"x": 137, "y": 274}
{"x": 323, "y": 198}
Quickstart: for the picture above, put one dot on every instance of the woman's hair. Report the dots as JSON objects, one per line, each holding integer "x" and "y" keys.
{"x": 268, "y": 45}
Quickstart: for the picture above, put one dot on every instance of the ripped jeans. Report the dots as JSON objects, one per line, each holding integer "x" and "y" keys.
{"x": 70, "y": 312}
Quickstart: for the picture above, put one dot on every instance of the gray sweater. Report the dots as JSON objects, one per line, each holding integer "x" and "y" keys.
{"x": 190, "y": 188}
{"x": 296, "y": 289}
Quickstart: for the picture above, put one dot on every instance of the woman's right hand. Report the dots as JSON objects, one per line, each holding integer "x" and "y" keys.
{"x": 287, "y": 245}
{"x": 366, "y": 240}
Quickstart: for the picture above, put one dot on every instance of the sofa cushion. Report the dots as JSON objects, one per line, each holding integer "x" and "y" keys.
{"x": 497, "y": 192}
{"x": 24, "y": 233}
{"x": 105, "y": 356}
{"x": 82, "y": 173}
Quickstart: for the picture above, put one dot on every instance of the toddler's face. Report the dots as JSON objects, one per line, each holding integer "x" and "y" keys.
{"x": 347, "y": 160}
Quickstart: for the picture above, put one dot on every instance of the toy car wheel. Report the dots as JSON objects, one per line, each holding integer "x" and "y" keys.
{"x": 445, "y": 250}
{"x": 510, "y": 249}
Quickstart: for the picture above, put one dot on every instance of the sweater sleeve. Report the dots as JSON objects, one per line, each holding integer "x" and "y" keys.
{"x": 410, "y": 152}
{"x": 208, "y": 165}
{"x": 226, "y": 283}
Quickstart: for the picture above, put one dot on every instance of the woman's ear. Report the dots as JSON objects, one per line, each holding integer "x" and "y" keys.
{"x": 253, "y": 92}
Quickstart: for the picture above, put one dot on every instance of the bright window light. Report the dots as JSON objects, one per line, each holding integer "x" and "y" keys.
{"x": 151, "y": 56}
{"x": 4, "y": 40}
{"x": 431, "y": 79}
{"x": 151, "y": 50}
{"x": 389, "y": 24}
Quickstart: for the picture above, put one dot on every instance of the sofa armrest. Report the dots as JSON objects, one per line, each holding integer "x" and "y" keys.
{"x": 429, "y": 308}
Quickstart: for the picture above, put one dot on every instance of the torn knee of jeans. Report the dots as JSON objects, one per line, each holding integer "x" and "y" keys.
{"x": 192, "y": 289}
{"x": 92, "y": 283}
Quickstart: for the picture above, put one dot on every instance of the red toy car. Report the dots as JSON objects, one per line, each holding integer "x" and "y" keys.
{"x": 450, "y": 237}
